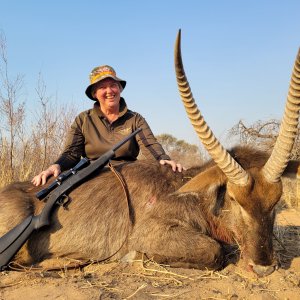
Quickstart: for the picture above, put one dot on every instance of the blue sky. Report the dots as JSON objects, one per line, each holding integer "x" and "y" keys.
{"x": 238, "y": 55}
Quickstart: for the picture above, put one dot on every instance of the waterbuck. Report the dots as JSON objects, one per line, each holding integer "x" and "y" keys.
{"x": 230, "y": 201}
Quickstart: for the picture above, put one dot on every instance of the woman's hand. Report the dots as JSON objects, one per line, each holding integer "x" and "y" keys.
{"x": 173, "y": 164}
{"x": 42, "y": 177}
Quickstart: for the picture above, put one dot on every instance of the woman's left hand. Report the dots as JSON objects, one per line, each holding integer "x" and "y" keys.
{"x": 173, "y": 164}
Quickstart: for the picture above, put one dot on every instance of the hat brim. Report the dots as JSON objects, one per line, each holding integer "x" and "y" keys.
{"x": 88, "y": 90}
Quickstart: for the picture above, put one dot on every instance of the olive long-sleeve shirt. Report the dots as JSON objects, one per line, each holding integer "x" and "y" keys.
{"x": 91, "y": 135}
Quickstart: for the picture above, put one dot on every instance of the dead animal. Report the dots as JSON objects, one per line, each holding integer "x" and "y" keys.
{"x": 229, "y": 201}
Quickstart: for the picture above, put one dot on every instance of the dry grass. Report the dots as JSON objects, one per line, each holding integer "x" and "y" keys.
{"x": 287, "y": 243}
{"x": 291, "y": 192}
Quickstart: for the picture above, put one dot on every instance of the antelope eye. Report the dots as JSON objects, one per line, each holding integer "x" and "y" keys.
{"x": 231, "y": 196}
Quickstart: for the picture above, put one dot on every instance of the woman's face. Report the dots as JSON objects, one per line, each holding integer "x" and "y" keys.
{"x": 107, "y": 92}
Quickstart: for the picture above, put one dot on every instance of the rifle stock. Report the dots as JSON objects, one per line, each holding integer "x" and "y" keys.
{"x": 13, "y": 240}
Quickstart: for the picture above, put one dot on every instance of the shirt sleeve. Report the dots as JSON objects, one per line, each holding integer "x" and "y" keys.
{"x": 74, "y": 146}
{"x": 148, "y": 144}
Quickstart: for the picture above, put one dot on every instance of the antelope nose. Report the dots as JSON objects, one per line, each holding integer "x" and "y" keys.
{"x": 262, "y": 271}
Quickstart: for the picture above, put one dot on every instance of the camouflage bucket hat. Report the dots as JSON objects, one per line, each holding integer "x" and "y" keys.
{"x": 100, "y": 73}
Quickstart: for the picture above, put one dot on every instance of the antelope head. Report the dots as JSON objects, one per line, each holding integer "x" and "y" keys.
{"x": 254, "y": 192}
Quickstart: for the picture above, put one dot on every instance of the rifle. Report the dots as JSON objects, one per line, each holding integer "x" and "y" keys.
{"x": 13, "y": 240}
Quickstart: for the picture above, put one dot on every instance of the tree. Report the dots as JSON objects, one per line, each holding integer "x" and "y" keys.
{"x": 50, "y": 127}
{"x": 262, "y": 134}
{"x": 179, "y": 150}
{"x": 25, "y": 150}
{"x": 11, "y": 110}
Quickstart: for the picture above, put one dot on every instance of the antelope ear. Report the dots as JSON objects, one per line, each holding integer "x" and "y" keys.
{"x": 210, "y": 184}
{"x": 205, "y": 181}
{"x": 292, "y": 170}
{"x": 217, "y": 195}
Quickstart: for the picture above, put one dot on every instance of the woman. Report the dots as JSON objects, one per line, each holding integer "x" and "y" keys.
{"x": 97, "y": 130}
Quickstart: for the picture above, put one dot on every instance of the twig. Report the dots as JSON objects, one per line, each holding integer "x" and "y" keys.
{"x": 154, "y": 277}
{"x": 169, "y": 273}
{"x": 10, "y": 285}
{"x": 168, "y": 296}
{"x": 164, "y": 271}
{"x": 272, "y": 291}
{"x": 138, "y": 289}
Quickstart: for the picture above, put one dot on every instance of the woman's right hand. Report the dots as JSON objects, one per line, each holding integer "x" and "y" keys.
{"x": 42, "y": 177}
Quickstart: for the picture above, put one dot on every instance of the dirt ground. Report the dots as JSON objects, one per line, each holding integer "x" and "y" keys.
{"x": 147, "y": 280}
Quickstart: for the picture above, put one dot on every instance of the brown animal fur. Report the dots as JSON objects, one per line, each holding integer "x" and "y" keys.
{"x": 185, "y": 226}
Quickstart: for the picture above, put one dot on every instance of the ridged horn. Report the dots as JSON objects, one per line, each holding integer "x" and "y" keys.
{"x": 279, "y": 158}
{"x": 234, "y": 172}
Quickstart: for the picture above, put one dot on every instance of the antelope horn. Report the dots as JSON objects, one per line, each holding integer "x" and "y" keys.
{"x": 234, "y": 172}
{"x": 279, "y": 158}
